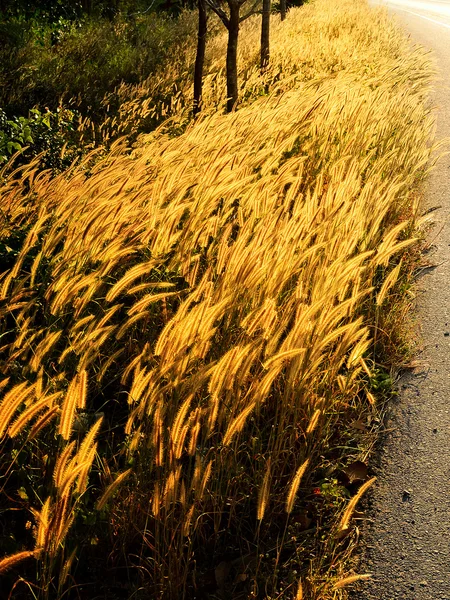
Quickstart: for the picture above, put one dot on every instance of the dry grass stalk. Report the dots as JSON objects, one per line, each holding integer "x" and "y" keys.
{"x": 111, "y": 489}
{"x": 345, "y": 520}
{"x": 84, "y": 473}
{"x": 66, "y": 569}
{"x": 177, "y": 432}
{"x": 11, "y": 402}
{"x": 62, "y": 464}
{"x": 43, "y": 520}
{"x": 42, "y": 422}
{"x": 314, "y": 421}
{"x": 88, "y": 442}
{"x": 62, "y": 520}
{"x": 4, "y": 383}
{"x": 188, "y": 521}
{"x": 293, "y": 489}
{"x": 75, "y": 398}
{"x": 264, "y": 491}
{"x": 11, "y": 561}
{"x": 388, "y": 283}
{"x": 200, "y": 490}
{"x": 351, "y": 579}
{"x": 195, "y": 432}
{"x": 237, "y": 424}
{"x": 70, "y": 479}
{"x": 44, "y": 348}
{"x": 30, "y": 412}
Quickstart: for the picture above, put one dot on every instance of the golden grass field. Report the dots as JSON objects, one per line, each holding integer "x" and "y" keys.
{"x": 188, "y": 329}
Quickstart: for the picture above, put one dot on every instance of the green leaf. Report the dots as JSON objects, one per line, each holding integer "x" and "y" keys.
{"x": 27, "y": 135}
{"x": 11, "y": 146}
{"x": 13, "y": 125}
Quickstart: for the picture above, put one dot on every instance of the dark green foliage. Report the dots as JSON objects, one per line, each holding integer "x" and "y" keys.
{"x": 79, "y": 62}
{"x": 52, "y": 11}
{"x": 65, "y": 70}
{"x": 42, "y": 133}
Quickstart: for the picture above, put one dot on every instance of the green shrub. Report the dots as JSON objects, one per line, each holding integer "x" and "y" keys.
{"x": 80, "y": 62}
{"x": 42, "y": 133}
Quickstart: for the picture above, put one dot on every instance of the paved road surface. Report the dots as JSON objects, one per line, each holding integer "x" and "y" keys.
{"x": 409, "y": 545}
{"x": 433, "y": 11}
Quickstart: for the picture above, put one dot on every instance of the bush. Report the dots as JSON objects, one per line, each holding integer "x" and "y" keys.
{"x": 42, "y": 133}
{"x": 82, "y": 61}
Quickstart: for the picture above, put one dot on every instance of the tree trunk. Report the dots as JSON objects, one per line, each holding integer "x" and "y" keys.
{"x": 283, "y": 9}
{"x": 200, "y": 56}
{"x": 265, "y": 34}
{"x": 233, "y": 34}
{"x": 86, "y": 6}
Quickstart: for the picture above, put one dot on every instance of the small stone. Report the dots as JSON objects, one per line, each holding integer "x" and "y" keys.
{"x": 423, "y": 583}
{"x": 406, "y": 495}
{"x": 435, "y": 430}
{"x": 446, "y": 333}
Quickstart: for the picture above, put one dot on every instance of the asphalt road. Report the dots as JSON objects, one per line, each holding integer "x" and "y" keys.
{"x": 408, "y": 545}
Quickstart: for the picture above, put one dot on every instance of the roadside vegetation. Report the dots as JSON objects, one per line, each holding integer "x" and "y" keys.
{"x": 73, "y": 73}
{"x": 198, "y": 317}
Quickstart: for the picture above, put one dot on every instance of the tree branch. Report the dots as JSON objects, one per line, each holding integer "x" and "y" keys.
{"x": 251, "y": 12}
{"x": 219, "y": 12}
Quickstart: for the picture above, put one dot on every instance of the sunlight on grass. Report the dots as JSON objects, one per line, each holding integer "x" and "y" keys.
{"x": 199, "y": 309}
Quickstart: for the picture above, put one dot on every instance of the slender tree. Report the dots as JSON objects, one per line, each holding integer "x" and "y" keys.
{"x": 200, "y": 56}
{"x": 265, "y": 34}
{"x": 283, "y": 9}
{"x": 232, "y": 20}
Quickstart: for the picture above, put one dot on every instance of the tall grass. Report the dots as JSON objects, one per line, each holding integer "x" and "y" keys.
{"x": 203, "y": 309}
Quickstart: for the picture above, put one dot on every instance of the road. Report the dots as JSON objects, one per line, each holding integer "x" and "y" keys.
{"x": 437, "y": 12}
{"x": 408, "y": 546}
